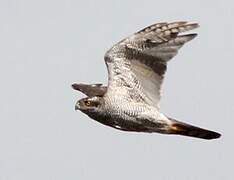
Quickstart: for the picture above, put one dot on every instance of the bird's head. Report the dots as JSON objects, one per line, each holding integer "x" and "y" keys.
{"x": 89, "y": 104}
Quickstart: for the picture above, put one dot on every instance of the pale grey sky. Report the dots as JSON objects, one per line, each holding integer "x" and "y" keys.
{"x": 46, "y": 45}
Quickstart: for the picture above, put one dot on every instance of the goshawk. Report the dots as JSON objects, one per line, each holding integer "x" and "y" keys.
{"x": 136, "y": 68}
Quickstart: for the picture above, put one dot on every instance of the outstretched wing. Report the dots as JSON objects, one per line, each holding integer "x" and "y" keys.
{"x": 137, "y": 64}
{"x": 90, "y": 89}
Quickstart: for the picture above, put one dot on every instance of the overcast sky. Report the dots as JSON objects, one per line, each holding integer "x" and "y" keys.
{"x": 47, "y": 45}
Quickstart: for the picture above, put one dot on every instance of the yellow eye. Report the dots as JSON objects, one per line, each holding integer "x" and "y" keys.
{"x": 87, "y": 103}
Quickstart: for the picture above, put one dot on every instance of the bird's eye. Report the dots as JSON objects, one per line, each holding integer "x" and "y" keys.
{"x": 87, "y": 103}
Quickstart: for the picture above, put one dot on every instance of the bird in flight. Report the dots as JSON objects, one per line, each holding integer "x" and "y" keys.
{"x": 136, "y": 69}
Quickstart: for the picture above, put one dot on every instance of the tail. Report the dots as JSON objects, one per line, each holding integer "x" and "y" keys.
{"x": 184, "y": 129}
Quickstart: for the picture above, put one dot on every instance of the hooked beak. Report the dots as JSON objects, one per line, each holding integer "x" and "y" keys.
{"x": 77, "y": 106}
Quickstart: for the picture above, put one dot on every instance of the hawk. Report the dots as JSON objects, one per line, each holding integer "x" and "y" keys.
{"x": 136, "y": 69}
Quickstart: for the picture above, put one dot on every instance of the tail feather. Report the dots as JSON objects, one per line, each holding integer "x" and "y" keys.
{"x": 181, "y": 128}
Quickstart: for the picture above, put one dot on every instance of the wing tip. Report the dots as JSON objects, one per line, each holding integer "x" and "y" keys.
{"x": 193, "y": 24}
{"x": 188, "y": 37}
{"x": 174, "y": 24}
{"x": 76, "y": 86}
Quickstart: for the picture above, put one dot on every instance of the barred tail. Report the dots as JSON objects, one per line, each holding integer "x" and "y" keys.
{"x": 181, "y": 128}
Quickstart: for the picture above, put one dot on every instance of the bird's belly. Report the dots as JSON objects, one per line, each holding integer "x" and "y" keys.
{"x": 123, "y": 116}
{"x": 122, "y": 123}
